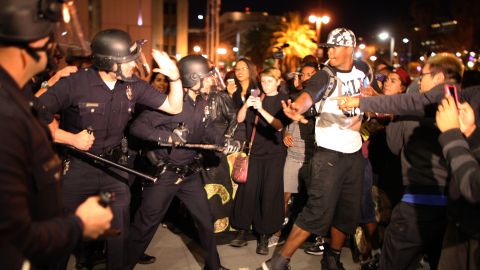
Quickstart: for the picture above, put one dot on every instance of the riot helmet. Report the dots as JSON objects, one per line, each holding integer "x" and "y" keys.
{"x": 113, "y": 49}
{"x": 193, "y": 69}
{"x": 196, "y": 69}
{"x": 26, "y": 21}
{"x": 21, "y": 21}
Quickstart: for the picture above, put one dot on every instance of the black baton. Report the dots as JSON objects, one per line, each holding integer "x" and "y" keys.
{"x": 111, "y": 163}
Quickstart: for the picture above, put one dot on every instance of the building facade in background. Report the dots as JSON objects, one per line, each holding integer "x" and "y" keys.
{"x": 163, "y": 23}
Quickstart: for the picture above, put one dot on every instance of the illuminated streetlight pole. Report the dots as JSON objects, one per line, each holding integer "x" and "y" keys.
{"x": 409, "y": 54}
{"x": 318, "y": 24}
{"x": 385, "y": 36}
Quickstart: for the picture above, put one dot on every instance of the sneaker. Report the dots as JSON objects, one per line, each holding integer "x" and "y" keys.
{"x": 317, "y": 248}
{"x": 275, "y": 241}
{"x": 277, "y": 262}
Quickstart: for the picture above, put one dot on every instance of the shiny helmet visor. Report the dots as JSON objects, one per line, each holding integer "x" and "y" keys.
{"x": 211, "y": 81}
{"x": 68, "y": 31}
{"x": 141, "y": 68}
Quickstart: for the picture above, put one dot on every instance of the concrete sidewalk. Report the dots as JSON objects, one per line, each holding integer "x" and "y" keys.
{"x": 178, "y": 252}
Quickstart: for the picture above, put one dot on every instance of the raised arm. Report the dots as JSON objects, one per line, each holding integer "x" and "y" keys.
{"x": 461, "y": 154}
{"x": 174, "y": 102}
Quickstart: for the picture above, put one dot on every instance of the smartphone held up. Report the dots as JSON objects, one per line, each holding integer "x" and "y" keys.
{"x": 451, "y": 90}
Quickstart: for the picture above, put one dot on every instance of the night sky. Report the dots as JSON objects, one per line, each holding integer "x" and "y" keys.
{"x": 365, "y": 18}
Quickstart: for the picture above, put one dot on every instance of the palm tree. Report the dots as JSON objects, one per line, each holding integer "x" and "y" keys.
{"x": 257, "y": 43}
{"x": 300, "y": 38}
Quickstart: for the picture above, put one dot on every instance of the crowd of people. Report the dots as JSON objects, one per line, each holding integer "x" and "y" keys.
{"x": 332, "y": 148}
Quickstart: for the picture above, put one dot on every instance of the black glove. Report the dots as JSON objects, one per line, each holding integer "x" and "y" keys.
{"x": 231, "y": 146}
{"x": 179, "y": 135}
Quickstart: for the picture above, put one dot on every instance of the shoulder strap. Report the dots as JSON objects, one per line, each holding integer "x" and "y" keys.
{"x": 257, "y": 117}
{"x": 333, "y": 81}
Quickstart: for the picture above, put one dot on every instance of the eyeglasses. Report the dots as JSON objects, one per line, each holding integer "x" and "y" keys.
{"x": 241, "y": 68}
{"x": 423, "y": 75}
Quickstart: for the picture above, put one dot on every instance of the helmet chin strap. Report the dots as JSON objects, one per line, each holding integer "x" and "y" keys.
{"x": 119, "y": 74}
{"x": 198, "y": 91}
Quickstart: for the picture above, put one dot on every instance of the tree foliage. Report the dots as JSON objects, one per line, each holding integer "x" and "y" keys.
{"x": 257, "y": 43}
{"x": 300, "y": 38}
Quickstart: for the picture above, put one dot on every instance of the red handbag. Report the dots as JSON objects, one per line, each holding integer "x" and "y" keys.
{"x": 240, "y": 165}
{"x": 240, "y": 168}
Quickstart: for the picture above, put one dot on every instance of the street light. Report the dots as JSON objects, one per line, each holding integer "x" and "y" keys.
{"x": 221, "y": 51}
{"x": 409, "y": 54}
{"x": 385, "y": 36}
{"x": 318, "y": 23}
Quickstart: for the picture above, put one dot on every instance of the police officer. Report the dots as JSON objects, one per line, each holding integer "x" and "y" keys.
{"x": 95, "y": 105}
{"x": 177, "y": 167}
{"x": 34, "y": 233}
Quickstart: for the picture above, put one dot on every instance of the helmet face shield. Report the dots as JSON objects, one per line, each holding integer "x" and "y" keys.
{"x": 133, "y": 64}
{"x": 210, "y": 82}
{"x": 218, "y": 83}
{"x": 68, "y": 31}
{"x": 142, "y": 67}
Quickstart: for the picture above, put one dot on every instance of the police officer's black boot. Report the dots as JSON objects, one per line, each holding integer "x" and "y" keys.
{"x": 262, "y": 244}
{"x": 331, "y": 260}
{"x": 277, "y": 262}
{"x": 239, "y": 240}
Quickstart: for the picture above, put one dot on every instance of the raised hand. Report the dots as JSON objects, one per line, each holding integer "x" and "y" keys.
{"x": 291, "y": 110}
{"x": 447, "y": 114}
{"x": 257, "y": 104}
{"x": 166, "y": 65}
{"x": 347, "y": 103}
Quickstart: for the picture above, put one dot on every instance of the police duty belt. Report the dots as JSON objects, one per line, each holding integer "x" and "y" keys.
{"x": 111, "y": 163}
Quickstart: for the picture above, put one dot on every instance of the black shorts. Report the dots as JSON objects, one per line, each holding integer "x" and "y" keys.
{"x": 334, "y": 192}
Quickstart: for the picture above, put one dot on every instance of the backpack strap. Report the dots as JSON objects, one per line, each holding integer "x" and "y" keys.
{"x": 333, "y": 81}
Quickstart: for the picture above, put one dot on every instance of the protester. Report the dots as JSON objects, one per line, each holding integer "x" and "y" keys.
{"x": 334, "y": 187}
{"x": 419, "y": 220}
{"x": 460, "y": 144}
{"x": 259, "y": 201}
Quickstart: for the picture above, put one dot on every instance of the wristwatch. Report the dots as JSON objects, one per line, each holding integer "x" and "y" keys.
{"x": 44, "y": 84}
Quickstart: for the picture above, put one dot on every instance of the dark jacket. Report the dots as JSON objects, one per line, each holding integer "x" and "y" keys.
{"x": 156, "y": 126}
{"x": 414, "y": 135}
{"x": 463, "y": 157}
{"x": 224, "y": 113}
{"x": 464, "y": 209}
{"x": 84, "y": 101}
{"x": 32, "y": 225}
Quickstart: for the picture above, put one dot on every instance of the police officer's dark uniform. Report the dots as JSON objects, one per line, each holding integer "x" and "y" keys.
{"x": 30, "y": 171}
{"x": 85, "y": 102}
{"x": 178, "y": 169}
{"x": 32, "y": 226}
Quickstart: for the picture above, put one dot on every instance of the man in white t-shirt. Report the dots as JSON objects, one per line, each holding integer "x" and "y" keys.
{"x": 335, "y": 185}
